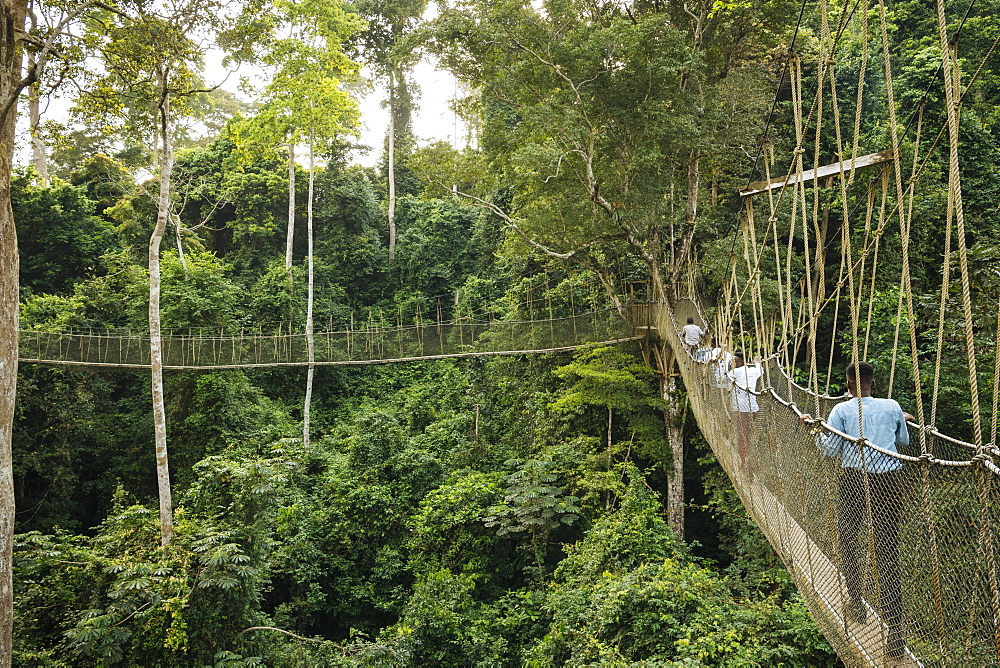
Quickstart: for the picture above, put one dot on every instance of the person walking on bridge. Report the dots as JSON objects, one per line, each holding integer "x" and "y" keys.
{"x": 720, "y": 360}
{"x": 744, "y": 402}
{"x": 692, "y": 335}
{"x": 875, "y": 478}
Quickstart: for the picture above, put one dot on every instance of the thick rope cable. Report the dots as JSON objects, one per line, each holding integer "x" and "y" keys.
{"x": 996, "y": 383}
{"x": 806, "y": 123}
{"x": 833, "y": 332}
{"x": 763, "y": 342}
{"x": 859, "y": 97}
{"x": 847, "y": 251}
{"x": 817, "y": 104}
{"x": 777, "y": 93}
{"x": 846, "y": 221}
{"x": 943, "y": 303}
{"x": 928, "y": 156}
{"x": 869, "y": 211}
{"x": 950, "y": 69}
{"x": 905, "y": 283}
{"x": 951, "y": 78}
{"x": 800, "y": 205}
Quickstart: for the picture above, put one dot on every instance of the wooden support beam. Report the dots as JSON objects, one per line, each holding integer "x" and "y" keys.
{"x": 820, "y": 172}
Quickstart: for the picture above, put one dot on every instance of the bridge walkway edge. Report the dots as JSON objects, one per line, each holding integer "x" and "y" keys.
{"x": 819, "y": 580}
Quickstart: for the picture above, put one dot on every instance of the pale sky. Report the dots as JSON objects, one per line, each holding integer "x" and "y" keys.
{"x": 432, "y": 121}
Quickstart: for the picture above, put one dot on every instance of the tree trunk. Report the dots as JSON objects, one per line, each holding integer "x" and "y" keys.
{"x": 675, "y": 438}
{"x": 38, "y": 158}
{"x": 180, "y": 244}
{"x": 10, "y": 74}
{"x": 391, "y": 159}
{"x": 155, "y": 347}
{"x": 290, "y": 233}
{"x": 310, "y": 343}
{"x": 690, "y": 214}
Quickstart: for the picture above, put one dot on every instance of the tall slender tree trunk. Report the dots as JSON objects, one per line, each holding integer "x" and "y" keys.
{"x": 690, "y": 214}
{"x": 675, "y": 438}
{"x": 179, "y": 242}
{"x": 391, "y": 159}
{"x": 675, "y": 434}
{"x": 39, "y": 160}
{"x": 310, "y": 342}
{"x": 11, "y": 21}
{"x": 290, "y": 233}
{"x": 155, "y": 339}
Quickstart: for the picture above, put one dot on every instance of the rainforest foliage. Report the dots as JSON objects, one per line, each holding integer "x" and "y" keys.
{"x": 501, "y": 511}
{"x": 471, "y": 512}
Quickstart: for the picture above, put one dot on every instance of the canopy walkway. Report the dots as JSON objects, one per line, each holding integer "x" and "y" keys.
{"x": 949, "y": 578}
{"x": 829, "y": 266}
{"x": 947, "y": 538}
{"x": 206, "y": 348}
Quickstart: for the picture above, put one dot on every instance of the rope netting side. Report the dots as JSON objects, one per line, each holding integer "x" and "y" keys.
{"x": 367, "y": 343}
{"x": 546, "y": 311}
{"x": 908, "y": 549}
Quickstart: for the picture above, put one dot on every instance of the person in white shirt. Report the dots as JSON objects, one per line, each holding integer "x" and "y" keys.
{"x": 692, "y": 334}
{"x": 721, "y": 360}
{"x": 744, "y": 402}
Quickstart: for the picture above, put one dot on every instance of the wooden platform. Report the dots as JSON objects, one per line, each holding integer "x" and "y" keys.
{"x": 820, "y": 172}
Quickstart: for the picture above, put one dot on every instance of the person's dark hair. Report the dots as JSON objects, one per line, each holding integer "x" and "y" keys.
{"x": 864, "y": 370}
{"x": 738, "y": 355}
{"x": 690, "y": 320}
{"x": 714, "y": 342}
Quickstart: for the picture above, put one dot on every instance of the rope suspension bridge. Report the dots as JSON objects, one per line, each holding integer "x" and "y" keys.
{"x": 824, "y": 276}
{"x": 947, "y": 512}
{"x": 550, "y": 313}
{"x": 203, "y": 348}
{"x": 894, "y": 575}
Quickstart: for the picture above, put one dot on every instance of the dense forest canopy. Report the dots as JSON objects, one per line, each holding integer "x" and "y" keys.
{"x": 555, "y": 509}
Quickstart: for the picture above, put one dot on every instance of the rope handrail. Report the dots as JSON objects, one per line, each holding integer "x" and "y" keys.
{"x": 865, "y": 442}
{"x": 140, "y": 332}
{"x": 464, "y": 337}
{"x": 913, "y": 424}
{"x": 428, "y": 323}
{"x": 853, "y": 439}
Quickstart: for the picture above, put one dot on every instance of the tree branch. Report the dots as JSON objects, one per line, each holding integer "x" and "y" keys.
{"x": 287, "y": 633}
{"x": 524, "y": 235}
{"x": 47, "y": 48}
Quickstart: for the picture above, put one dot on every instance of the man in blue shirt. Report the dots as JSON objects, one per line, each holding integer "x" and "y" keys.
{"x": 869, "y": 475}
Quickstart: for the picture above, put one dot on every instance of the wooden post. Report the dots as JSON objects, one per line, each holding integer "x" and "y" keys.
{"x": 572, "y": 310}
{"x": 548, "y": 301}
{"x": 440, "y": 335}
{"x": 420, "y": 329}
{"x": 457, "y": 315}
{"x": 531, "y": 317}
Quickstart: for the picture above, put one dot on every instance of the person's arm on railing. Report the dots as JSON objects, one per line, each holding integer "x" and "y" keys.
{"x": 830, "y": 444}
